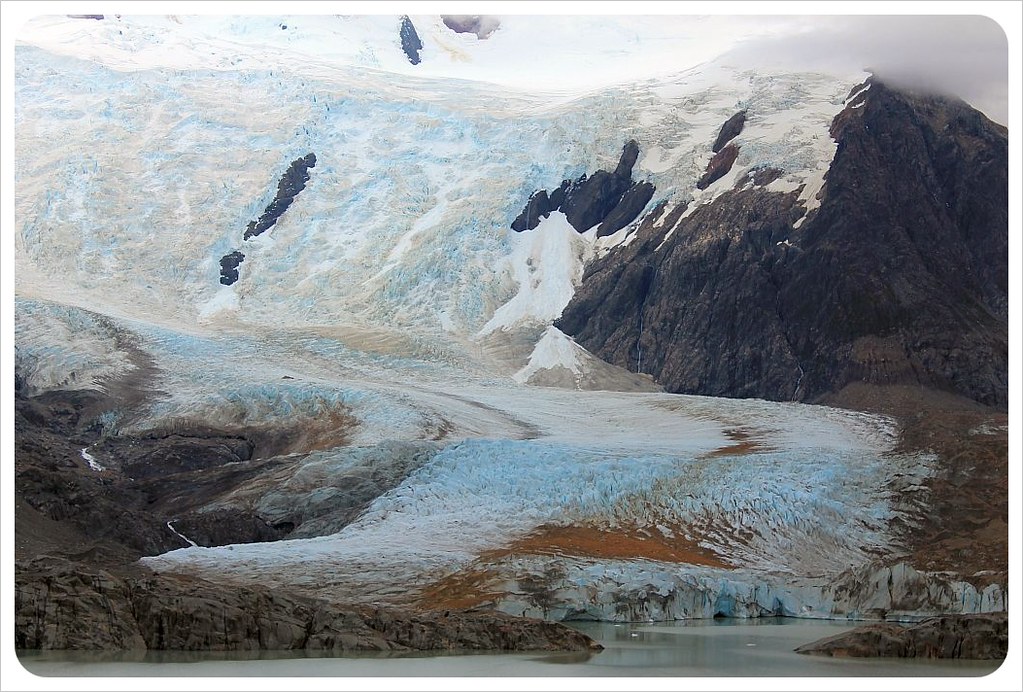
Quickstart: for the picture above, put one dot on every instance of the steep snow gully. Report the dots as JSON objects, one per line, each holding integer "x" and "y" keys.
{"x": 394, "y": 291}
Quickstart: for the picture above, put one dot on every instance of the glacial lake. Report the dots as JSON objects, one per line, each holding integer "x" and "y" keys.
{"x": 703, "y": 648}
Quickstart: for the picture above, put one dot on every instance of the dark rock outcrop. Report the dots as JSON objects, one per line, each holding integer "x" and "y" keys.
{"x": 410, "y": 41}
{"x": 633, "y": 201}
{"x": 592, "y": 198}
{"x": 229, "y": 267}
{"x": 900, "y": 277}
{"x": 538, "y": 207}
{"x": 983, "y": 636}
{"x": 718, "y": 166}
{"x": 764, "y": 175}
{"x": 611, "y": 199}
{"x": 226, "y": 526}
{"x": 662, "y": 312}
{"x": 292, "y": 182}
{"x": 121, "y": 512}
{"x": 63, "y": 605}
{"x": 729, "y": 131}
{"x": 481, "y": 25}
{"x": 162, "y": 455}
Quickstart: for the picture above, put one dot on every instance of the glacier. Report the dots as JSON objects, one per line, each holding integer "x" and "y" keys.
{"x": 393, "y": 300}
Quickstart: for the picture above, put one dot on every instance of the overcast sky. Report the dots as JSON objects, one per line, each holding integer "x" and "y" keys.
{"x": 963, "y": 55}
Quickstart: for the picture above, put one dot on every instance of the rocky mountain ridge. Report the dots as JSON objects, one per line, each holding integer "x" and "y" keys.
{"x": 899, "y": 277}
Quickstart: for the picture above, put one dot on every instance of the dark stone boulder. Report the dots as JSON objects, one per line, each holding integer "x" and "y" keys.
{"x": 718, "y": 166}
{"x": 229, "y": 267}
{"x": 984, "y": 636}
{"x": 410, "y": 41}
{"x": 729, "y": 131}
{"x": 291, "y": 183}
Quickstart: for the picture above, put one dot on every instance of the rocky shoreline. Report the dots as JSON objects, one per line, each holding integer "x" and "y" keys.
{"x": 65, "y": 605}
{"x": 980, "y": 637}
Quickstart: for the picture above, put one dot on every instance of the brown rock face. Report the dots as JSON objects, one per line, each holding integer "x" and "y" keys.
{"x": 63, "y": 605}
{"x": 718, "y": 166}
{"x": 951, "y": 636}
{"x": 699, "y": 314}
{"x": 899, "y": 278}
{"x": 729, "y": 131}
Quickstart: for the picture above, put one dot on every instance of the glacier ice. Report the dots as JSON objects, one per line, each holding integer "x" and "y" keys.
{"x": 384, "y": 293}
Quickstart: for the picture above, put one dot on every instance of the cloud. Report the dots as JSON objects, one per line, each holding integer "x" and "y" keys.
{"x": 965, "y": 56}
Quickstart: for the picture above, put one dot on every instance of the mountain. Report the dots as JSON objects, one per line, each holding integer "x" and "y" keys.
{"x": 349, "y": 312}
{"x": 900, "y": 276}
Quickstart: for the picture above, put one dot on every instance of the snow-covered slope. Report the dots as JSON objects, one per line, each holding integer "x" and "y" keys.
{"x": 392, "y": 293}
{"x": 175, "y": 132}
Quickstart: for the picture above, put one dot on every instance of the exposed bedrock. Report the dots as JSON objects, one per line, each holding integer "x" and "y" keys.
{"x": 120, "y": 497}
{"x": 410, "y": 41}
{"x": 325, "y": 491}
{"x": 63, "y": 605}
{"x": 633, "y": 201}
{"x": 291, "y": 183}
{"x": 700, "y": 312}
{"x": 611, "y": 199}
{"x": 229, "y": 267}
{"x": 900, "y": 277}
{"x": 719, "y": 166}
{"x": 950, "y": 636}
{"x": 729, "y": 131}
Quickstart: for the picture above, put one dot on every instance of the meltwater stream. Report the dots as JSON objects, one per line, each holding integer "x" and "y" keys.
{"x": 695, "y": 648}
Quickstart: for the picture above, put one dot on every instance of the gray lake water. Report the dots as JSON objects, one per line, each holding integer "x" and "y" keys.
{"x": 746, "y": 648}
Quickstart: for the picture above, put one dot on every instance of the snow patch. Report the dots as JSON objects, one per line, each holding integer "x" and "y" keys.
{"x": 547, "y": 263}
{"x": 555, "y": 349}
{"x": 225, "y": 300}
